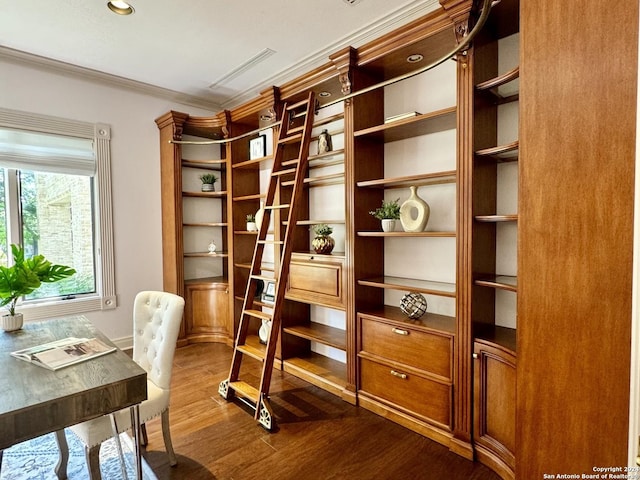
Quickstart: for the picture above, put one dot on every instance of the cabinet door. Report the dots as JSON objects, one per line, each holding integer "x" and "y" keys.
{"x": 494, "y": 412}
{"x": 317, "y": 279}
{"x": 207, "y": 312}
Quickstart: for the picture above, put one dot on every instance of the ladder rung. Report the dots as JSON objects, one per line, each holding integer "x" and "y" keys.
{"x": 245, "y": 390}
{"x": 295, "y": 161}
{"x": 297, "y": 105}
{"x": 293, "y": 130}
{"x": 291, "y": 139}
{"x": 270, "y": 242}
{"x": 252, "y": 351}
{"x": 258, "y": 314}
{"x": 263, "y": 278}
{"x": 275, "y": 207}
{"x": 284, "y": 172}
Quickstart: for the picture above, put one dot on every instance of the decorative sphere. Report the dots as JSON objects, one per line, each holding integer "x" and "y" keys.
{"x": 413, "y": 305}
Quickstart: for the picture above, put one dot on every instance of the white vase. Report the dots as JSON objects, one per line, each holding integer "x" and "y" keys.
{"x": 251, "y": 227}
{"x": 414, "y": 213}
{"x": 212, "y": 247}
{"x": 10, "y": 323}
{"x": 259, "y": 215}
{"x": 263, "y": 332}
{"x": 388, "y": 224}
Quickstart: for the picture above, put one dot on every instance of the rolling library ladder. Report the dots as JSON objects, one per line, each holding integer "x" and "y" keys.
{"x": 295, "y": 128}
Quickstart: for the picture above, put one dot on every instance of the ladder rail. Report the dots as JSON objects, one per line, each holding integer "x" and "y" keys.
{"x": 283, "y": 248}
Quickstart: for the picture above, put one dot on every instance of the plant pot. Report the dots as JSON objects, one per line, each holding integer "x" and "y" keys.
{"x": 323, "y": 244}
{"x": 10, "y": 323}
{"x": 208, "y": 187}
{"x": 252, "y": 227}
{"x": 388, "y": 224}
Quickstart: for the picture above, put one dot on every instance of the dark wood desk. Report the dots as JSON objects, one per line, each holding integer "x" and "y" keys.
{"x": 35, "y": 401}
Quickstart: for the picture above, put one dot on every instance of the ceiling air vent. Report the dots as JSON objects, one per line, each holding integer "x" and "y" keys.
{"x": 352, "y": 2}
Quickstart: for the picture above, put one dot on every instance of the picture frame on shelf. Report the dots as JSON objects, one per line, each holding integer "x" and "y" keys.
{"x": 269, "y": 292}
{"x": 258, "y": 147}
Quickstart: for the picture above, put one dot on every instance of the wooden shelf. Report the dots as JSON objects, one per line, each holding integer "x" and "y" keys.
{"x": 501, "y": 153}
{"x": 496, "y": 218}
{"x": 493, "y": 335}
{"x": 255, "y": 196}
{"x": 339, "y": 131}
{"x": 205, "y": 224}
{"x": 317, "y": 222}
{"x": 502, "y": 282}
{"x": 319, "y": 181}
{"x": 220, "y": 254}
{"x": 407, "y": 234}
{"x": 331, "y": 119}
{"x": 217, "y": 165}
{"x": 412, "y": 285}
{"x": 221, "y": 194}
{"x": 206, "y": 281}
{"x": 437, "y": 121}
{"x": 502, "y": 95}
{"x": 429, "y": 321}
{"x": 436, "y": 178}
{"x": 319, "y": 370}
{"x": 334, "y": 337}
{"x": 253, "y": 162}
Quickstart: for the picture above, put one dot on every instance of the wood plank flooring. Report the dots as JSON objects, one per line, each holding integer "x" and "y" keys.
{"x": 319, "y": 436}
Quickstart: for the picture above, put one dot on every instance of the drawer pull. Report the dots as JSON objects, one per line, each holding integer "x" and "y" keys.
{"x": 400, "y": 331}
{"x": 403, "y": 376}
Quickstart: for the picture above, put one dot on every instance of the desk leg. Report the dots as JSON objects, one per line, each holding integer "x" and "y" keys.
{"x": 135, "y": 425}
{"x": 63, "y": 452}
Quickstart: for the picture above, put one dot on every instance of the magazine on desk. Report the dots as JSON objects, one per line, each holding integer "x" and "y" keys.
{"x": 62, "y": 353}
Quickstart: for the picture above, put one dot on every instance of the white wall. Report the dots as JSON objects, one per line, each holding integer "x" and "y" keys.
{"x": 135, "y": 157}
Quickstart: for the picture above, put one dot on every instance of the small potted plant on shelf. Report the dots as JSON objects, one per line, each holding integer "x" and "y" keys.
{"x": 23, "y": 278}
{"x": 388, "y": 213}
{"x": 251, "y": 223}
{"x": 208, "y": 182}
{"x": 323, "y": 243}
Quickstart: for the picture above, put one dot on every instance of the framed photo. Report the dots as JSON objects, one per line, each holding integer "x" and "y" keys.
{"x": 269, "y": 293}
{"x": 258, "y": 147}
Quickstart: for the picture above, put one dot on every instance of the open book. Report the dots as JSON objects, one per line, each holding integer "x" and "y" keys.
{"x": 62, "y": 353}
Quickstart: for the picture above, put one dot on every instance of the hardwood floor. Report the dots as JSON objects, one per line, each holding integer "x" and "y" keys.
{"x": 319, "y": 436}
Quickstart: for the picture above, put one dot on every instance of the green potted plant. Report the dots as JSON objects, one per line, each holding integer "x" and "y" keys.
{"x": 251, "y": 223}
{"x": 388, "y": 213}
{"x": 322, "y": 243}
{"x": 208, "y": 182}
{"x": 23, "y": 278}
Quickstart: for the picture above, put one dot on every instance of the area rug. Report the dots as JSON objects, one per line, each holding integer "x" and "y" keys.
{"x": 36, "y": 459}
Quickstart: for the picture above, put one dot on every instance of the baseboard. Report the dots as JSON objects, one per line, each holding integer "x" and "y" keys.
{"x": 124, "y": 343}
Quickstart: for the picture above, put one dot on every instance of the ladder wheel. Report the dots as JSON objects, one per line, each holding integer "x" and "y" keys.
{"x": 223, "y": 389}
{"x": 265, "y": 416}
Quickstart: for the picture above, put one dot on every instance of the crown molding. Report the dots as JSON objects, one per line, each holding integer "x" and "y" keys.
{"x": 403, "y": 15}
{"x": 68, "y": 69}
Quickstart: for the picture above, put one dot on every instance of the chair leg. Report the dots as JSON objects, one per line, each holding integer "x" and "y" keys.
{"x": 144, "y": 440}
{"x": 63, "y": 452}
{"x": 166, "y": 433}
{"x": 92, "y": 454}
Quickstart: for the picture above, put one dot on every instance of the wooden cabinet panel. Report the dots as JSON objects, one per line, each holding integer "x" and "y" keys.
{"x": 207, "y": 312}
{"x": 407, "y": 391}
{"x": 495, "y": 407}
{"x": 423, "y": 350}
{"x": 317, "y": 279}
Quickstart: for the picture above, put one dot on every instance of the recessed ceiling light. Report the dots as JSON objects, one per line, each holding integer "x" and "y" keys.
{"x": 120, "y": 7}
{"x": 414, "y": 58}
{"x": 324, "y": 94}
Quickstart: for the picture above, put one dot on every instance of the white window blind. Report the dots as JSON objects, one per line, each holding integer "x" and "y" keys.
{"x": 45, "y": 152}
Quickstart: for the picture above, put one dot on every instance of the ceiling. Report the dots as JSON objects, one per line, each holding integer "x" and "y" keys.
{"x": 206, "y": 53}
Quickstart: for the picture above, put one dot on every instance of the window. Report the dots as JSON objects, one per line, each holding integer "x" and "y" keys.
{"x": 55, "y": 200}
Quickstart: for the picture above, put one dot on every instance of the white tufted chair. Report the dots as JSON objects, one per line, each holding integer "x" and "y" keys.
{"x": 156, "y": 323}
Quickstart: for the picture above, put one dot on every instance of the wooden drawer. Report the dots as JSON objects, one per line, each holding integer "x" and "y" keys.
{"x": 413, "y": 393}
{"x": 317, "y": 279}
{"x": 423, "y": 350}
